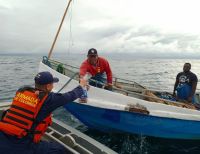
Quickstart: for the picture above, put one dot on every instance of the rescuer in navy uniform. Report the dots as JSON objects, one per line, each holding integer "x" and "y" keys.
{"x": 27, "y": 119}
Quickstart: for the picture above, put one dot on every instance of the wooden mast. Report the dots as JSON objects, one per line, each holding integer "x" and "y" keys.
{"x": 59, "y": 28}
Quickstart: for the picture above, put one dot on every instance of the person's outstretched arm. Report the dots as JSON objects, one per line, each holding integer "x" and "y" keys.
{"x": 55, "y": 100}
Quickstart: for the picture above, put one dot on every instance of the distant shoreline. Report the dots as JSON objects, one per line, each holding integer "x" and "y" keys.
{"x": 115, "y": 55}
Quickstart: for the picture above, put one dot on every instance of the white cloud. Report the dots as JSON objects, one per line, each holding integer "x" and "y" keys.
{"x": 137, "y": 26}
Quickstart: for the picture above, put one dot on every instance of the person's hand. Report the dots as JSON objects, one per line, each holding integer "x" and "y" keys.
{"x": 87, "y": 87}
{"x": 108, "y": 86}
{"x": 83, "y": 83}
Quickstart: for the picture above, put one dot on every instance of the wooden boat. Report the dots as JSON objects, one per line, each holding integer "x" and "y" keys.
{"x": 130, "y": 107}
{"x": 73, "y": 140}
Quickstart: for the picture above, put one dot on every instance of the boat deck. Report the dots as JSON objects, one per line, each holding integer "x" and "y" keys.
{"x": 73, "y": 140}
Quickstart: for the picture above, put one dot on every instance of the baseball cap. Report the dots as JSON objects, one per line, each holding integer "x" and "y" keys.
{"x": 43, "y": 78}
{"x": 92, "y": 51}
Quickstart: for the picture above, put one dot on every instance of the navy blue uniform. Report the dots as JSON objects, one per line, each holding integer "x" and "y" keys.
{"x": 12, "y": 145}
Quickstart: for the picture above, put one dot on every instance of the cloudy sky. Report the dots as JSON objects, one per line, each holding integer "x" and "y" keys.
{"x": 142, "y": 27}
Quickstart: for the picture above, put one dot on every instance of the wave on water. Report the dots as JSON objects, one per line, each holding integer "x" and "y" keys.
{"x": 17, "y": 71}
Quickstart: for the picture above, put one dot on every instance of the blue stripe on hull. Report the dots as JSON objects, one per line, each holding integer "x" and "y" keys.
{"x": 112, "y": 120}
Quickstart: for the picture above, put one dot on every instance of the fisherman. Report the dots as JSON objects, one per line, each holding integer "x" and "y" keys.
{"x": 185, "y": 85}
{"x": 27, "y": 119}
{"x": 99, "y": 68}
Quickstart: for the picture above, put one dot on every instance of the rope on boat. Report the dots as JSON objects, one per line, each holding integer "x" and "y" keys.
{"x": 75, "y": 74}
{"x": 143, "y": 93}
{"x": 137, "y": 91}
{"x": 151, "y": 97}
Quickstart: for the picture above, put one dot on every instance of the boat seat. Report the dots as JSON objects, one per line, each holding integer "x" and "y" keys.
{"x": 68, "y": 139}
{"x": 91, "y": 147}
{"x": 71, "y": 142}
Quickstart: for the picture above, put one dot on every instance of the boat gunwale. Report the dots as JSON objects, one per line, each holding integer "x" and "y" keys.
{"x": 138, "y": 91}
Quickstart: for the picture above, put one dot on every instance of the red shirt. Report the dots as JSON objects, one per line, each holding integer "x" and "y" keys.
{"x": 101, "y": 67}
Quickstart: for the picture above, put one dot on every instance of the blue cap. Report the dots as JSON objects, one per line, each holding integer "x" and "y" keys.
{"x": 44, "y": 78}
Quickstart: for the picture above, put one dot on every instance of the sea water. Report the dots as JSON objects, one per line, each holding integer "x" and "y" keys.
{"x": 19, "y": 70}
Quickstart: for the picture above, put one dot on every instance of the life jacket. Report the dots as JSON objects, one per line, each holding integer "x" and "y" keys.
{"x": 20, "y": 119}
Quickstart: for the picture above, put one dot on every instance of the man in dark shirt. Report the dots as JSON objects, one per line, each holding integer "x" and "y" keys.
{"x": 185, "y": 85}
{"x": 10, "y": 144}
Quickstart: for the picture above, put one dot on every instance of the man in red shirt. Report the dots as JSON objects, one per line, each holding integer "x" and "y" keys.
{"x": 99, "y": 68}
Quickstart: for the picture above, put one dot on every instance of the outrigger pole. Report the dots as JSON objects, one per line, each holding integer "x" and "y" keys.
{"x": 58, "y": 31}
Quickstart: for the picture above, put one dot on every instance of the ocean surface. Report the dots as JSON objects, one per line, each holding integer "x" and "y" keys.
{"x": 19, "y": 70}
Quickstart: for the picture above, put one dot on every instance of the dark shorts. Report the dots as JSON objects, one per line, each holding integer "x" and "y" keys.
{"x": 100, "y": 79}
{"x": 183, "y": 92}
